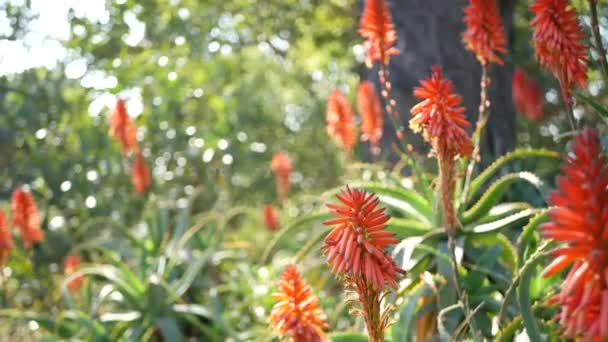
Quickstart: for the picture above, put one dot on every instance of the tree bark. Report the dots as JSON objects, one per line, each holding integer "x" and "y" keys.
{"x": 429, "y": 33}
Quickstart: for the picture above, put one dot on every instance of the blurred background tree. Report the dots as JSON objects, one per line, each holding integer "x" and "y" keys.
{"x": 216, "y": 88}
{"x": 430, "y": 33}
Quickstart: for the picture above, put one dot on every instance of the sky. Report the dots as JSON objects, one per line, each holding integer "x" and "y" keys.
{"x": 42, "y": 47}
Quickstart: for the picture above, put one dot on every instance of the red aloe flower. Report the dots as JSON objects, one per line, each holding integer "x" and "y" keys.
{"x": 579, "y": 220}
{"x": 340, "y": 120}
{"x": 527, "y": 96}
{"x": 558, "y": 40}
{"x": 26, "y": 217}
{"x": 440, "y": 117}
{"x": 355, "y": 247}
{"x": 271, "y": 218}
{"x": 377, "y": 28}
{"x": 484, "y": 35}
{"x": 123, "y": 128}
{"x": 534, "y": 107}
{"x": 140, "y": 176}
{"x": 281, "y": 166}
{"x": 372, "y": 117}
{"x": 71, "y": 264}
{"x": 519, "y": 87}
{"x": 6, "y": 240}
{"x": 297, "y": 313}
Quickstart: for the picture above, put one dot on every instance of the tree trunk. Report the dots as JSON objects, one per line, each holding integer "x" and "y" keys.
{"x": 429, "y": 32}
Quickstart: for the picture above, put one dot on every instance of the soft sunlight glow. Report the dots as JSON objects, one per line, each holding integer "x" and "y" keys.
{"x": 41, "y": 46}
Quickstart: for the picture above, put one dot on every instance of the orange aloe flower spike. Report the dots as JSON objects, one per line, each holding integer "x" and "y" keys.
{"x": 297, "y": 314}
{"x": 26, "y": 217}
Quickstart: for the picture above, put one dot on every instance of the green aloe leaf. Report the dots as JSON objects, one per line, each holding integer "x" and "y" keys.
{"x": 502, "y": 223}
{"x": 599, "y": 108}
{"x": 405, "y": 228}
{"x": 527, "y": 233}
{"x": 129, "y": 290}
{"x": 407, "y": 312}
{"x": 169, "y": 329}
{"x": 291, "y": 229}
{"x": 524, "y": 300}
{"x": 503, "y": 210}
{"x": 62, "y": 328}
{"x": 348, "y": 337}
{"x": 128, "y": 316}
{"x": 303, "y": 252}
{"x": 84, "y": 321}
{"x": 507, "y": 255}
{"x": 495, "y": 193}
{"x": 408, "y": 201}
{"x": 491, "y": 170}
{"x": 183, "y": 284}
{"x": 193, "y": 309}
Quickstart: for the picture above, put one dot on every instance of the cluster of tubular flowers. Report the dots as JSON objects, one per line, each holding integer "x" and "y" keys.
{"x": 355, "y": 250}
{"x": 559, "y": 43}
{"x": 71, "y": 264}
{"x": 297, "y": 314}
{"x": 527, "y": 96}
{"x": 484, "y": 34}
{"x": 26, "y": 217}
{"x": 579, "y": 220}
{"x": 271, "y": 218}
{"x": 440, "y": 117}
{"x": 125, "y": 132}
{"x": 281, "y": 166}
{"x": 6, "y": 239}
{"x": 378, "y": 30}
{"x": 372, "y": 116}
{"x": 123, "y": 128}
{"x": 340, "y": 121}
{"x": 355, "y": 247}
{"x": 140, "y": 175}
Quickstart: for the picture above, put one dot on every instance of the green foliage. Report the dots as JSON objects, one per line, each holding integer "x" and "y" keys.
{"x": 215, "y": 89}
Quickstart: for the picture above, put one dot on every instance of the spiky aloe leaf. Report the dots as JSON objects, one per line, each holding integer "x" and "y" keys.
{"x": 406, "y": 228}
{"x": 527, "y": 233}
{"x": 407, "y": 201}
{"x": 497, "y": 225}
{"x": 491, "y": 170}
{"x": 600, "y": 109}
{"x": 303, "y": 252}
{"x": 292, "y": 228}
{"x": 348, "y": 337}
{"x": 183, "y": 284}
{"x": 169, "y": 329}
{"x": 407, "y": 313}
{"x": 133, "y": 291}
{"x": 502, "y": 210}
{"x": 495, "y": 193}
{"x": 507, "y": 254}
{"x": 65, "y": 326}
{"x": 524, "y": 300}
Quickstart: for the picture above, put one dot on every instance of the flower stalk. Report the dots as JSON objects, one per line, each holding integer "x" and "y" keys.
{"x": 482, "y": 120}
{"x": 390, "y": 103}
{"x": 595, "y": 31}
{"x": 370, "y": 300}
